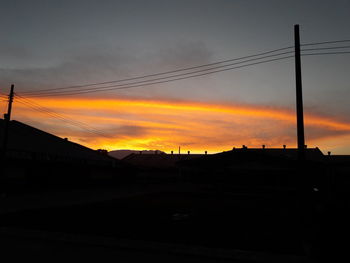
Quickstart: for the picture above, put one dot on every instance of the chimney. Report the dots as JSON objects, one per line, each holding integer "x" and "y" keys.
{"x": 263, "y": 146}
{"x": 284, "y": 146}
{"x": 172, "y": 152}
{"x": 188, "y": 152}
{"x": 205, "y": 152}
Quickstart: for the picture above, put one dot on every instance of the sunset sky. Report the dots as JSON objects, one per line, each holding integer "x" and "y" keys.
{"x": 58, "y": 44}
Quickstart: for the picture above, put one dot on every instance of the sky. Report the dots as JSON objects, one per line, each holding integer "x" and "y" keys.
{"x": 57, "y": 44}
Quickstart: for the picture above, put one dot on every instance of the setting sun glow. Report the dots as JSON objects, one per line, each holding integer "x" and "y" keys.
{"x": 129, "y": 123}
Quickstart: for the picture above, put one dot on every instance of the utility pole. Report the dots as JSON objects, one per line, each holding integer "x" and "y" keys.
{"x": 299, "y": 96}
{"x": 7, "y": 117}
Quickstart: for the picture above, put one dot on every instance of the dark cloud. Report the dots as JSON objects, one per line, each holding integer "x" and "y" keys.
{"x": 111, "y": 131}
{"x": 79, "y": 69}
{"x": 91, "y": 65}
{"x": 127, "y": 131}
{"x": 124, "y": 131}
{"x": 184, "y": 55}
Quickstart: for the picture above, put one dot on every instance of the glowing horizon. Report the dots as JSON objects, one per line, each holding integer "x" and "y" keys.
{"x": 163, "y": 124}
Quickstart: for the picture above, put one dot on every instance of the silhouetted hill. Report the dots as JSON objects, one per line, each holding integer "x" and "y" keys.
{"x": 159, "y": 161}
{"x": 120, "y": 154}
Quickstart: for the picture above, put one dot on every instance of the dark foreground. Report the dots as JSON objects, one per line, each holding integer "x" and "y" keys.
{"x": 171, "y": 223}
{"x": 19, "y": 244}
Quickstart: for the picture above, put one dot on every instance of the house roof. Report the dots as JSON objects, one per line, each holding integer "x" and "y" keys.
{"x": 311, "y": 154}
{"x": 339, "y": 159}
{"x": 25, "y": 141}
{"x": 244, "y": 156}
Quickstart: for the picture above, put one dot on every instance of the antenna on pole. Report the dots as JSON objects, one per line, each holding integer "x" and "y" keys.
{"x": 7, "y": 118}
{"x": 299, "y": 96}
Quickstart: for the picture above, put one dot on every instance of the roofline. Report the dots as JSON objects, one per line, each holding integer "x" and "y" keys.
{"x": 57, "y": 137}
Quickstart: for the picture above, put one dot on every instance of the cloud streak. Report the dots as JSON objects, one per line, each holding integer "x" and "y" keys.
{"x": 136, "y": 123}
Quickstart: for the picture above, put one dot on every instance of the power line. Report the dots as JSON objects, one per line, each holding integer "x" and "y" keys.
{"x": 51, "y": 113}
{"x": 171, "y": 78}
{"x": 162, "y": 73}
{"x": 152, "y": 81}
{"x": 162, "y": 78}
{"x": 115, "y": 87}
{"x": 68, "y": 121}
{"x": 325, "y": 42}
{"x": 54, "y": 114}
{"x": 324, "y": 48}
{"x": 327, "y": 53}
{"x": 81, "y": 89}
{"x": 60, "y": 118}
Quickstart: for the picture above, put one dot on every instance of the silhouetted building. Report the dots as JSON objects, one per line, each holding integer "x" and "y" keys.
{"x": 340, "y": 176}
{"x": 261, "y": 156}
{"x": 27, "y": 142}
{"x": 254, "y": 166}
{"x": 33, "y": 155}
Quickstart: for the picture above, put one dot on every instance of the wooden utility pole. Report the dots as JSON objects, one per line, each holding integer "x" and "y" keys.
{"x": 299, "y": 96}
{"x": 7, "y": 118}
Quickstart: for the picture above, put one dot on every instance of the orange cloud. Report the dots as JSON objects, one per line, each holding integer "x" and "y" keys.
{"x": 166, "y": 124}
